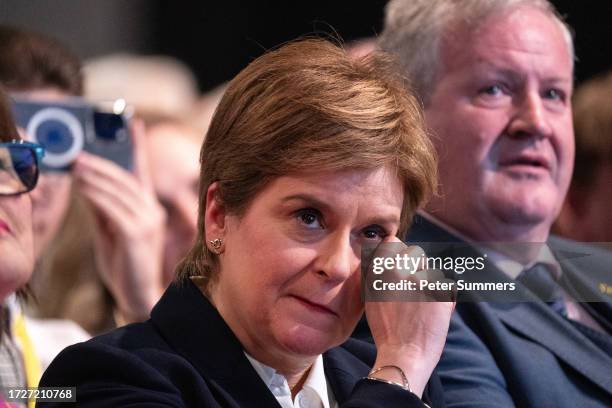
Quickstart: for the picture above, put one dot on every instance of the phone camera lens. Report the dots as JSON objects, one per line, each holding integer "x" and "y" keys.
{"x": 55, "y": 136}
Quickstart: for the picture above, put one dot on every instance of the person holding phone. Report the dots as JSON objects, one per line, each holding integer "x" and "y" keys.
{"x": 311, "y": 155}
{"x": 119, "y": 206}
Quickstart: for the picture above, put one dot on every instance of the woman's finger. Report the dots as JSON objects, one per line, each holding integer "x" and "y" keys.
{"x": 89, "y": 167}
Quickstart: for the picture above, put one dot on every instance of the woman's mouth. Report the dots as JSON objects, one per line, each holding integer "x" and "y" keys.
{"x": 316, "y": 307}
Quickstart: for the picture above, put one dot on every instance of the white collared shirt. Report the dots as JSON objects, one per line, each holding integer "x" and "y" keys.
{"x": 513, "y": 269}
{"x": 314, "y": 392}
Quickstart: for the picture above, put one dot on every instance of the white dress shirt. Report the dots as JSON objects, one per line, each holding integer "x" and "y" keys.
{"x": 314, "y": 393}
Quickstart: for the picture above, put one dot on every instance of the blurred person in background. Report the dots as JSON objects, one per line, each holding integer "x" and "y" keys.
{"x": 156, "y": 86}
{"x": 311, "y": 155}
{"x": 204, "y": 108}
{"x": 173, "y": 150}
{"x": 18, "y": 176}
{"x": 84, "y": 218}
{"x": 586, "y": 214}
{"x": 163, "y": 93}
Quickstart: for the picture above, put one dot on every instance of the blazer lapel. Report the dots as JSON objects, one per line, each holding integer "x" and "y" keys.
{"x": 203, "y": 338}
{"x": 538, "y": 322}
{"x": 342, "y": 371}
{"x": 582, "y": 282}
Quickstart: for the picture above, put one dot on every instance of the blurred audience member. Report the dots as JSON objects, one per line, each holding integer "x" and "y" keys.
{"x": 173, "y": 150}
{"x": 156, "y": 86}
{"x": 40, "y": 68}
{"x": 586, "y": 213}
{"x": 163, "y": 94}
{"x": 122, "y": 205}
{"x": 19, "y": 367}
{"x": 204, "y": 108}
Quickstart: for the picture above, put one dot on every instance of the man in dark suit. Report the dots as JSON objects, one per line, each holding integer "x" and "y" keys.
{"x": 495, "y": 78}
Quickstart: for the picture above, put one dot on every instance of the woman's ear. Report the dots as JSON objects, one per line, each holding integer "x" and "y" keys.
{"x": 214, "y": 218}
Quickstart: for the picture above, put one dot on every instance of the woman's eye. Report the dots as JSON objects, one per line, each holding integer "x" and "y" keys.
{"x": 375, "y": 232}
{"x": 310, "y": 218}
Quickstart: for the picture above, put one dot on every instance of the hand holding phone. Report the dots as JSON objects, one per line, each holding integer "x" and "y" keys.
{"x": 129, "y": 230}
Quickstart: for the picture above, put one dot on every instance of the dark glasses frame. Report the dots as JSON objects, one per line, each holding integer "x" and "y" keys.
{"x": 37, "y": 152}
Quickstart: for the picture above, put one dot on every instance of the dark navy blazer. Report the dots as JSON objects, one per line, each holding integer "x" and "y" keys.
{"x": 523, "y": 353}
{"x": 187, "y": 356}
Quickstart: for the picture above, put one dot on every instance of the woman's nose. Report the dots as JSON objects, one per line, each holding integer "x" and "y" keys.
{"x": 337, "y": 259}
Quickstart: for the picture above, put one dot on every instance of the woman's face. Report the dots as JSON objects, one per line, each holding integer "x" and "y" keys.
{"x": 289, "y": 275}
{"x": 16, "y": 245}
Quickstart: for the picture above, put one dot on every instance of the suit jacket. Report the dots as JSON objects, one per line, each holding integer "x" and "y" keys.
{"x": 503, "y": 354}
{"x": 187, "y": 356}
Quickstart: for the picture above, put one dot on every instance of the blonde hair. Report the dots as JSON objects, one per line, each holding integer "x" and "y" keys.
{"x": 305, "y": 107}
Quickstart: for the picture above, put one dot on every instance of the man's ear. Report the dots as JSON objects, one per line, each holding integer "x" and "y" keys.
{"x": 214, "y": 217}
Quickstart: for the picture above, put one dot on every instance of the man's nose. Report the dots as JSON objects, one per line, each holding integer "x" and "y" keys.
{"x": 530, "y": 117}
{"x": 337, "y": 259}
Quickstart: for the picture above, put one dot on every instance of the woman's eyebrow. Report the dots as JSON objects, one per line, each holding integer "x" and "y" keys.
{"x": 315, "y": 202}
{"x": 382, "y": 220}
{"x": 309, "y": 200}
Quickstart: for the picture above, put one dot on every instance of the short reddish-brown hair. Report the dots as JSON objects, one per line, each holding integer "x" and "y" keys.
{"x": 305, "y": 107}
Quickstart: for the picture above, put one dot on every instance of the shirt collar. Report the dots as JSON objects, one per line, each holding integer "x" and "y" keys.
{"x": 315, "y": 381}
{"x": 513, "y": 268}
{"x": 504, "y": 263}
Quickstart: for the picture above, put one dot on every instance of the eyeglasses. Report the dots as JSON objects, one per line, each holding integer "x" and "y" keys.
{"x": 19, "y": 166}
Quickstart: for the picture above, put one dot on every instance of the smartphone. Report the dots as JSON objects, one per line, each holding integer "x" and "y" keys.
{"x": 68, "y": 127}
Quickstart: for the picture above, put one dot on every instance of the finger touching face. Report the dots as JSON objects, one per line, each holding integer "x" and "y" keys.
{"x": 290, "y": 272}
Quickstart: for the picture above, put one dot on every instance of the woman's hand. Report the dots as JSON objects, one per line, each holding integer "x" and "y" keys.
{"x": 129, "y": 234}
{"x": 410, "y": 333}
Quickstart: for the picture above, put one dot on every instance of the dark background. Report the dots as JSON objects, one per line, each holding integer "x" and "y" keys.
{"x": 217, "y": 39}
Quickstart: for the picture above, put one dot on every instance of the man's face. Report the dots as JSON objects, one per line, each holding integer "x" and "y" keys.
{"x": 501, "y": 115}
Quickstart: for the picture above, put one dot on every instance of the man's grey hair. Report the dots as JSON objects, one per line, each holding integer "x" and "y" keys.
{"x": 414, "y": 28}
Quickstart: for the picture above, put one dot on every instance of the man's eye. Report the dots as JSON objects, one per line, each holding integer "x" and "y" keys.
{"x": 310, "y": 218}
{"x": 492, "y": 90}
{"x": 554, "y": 94}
